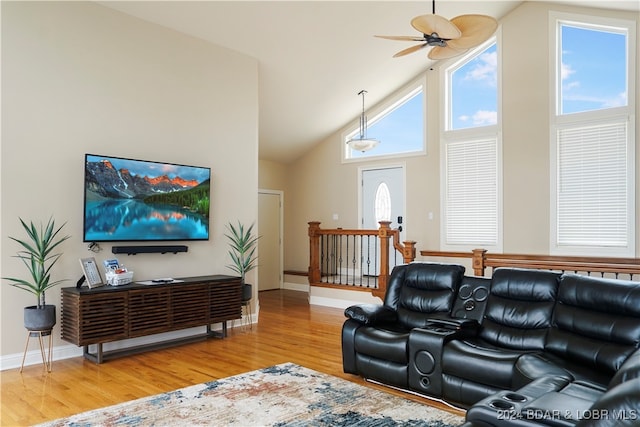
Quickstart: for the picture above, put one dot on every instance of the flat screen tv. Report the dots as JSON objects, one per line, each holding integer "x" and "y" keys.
{"x": 127, "y": 200}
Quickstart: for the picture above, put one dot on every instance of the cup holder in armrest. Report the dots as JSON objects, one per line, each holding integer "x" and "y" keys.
{"x": 501, "y": 405}
{"x": 515, "y": 397}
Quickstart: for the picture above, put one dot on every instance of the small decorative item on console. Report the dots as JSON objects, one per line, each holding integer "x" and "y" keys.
{"x": 116, "y": 273}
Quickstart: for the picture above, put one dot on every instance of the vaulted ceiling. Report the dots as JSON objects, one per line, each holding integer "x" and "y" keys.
{"x": 315, "y": 56}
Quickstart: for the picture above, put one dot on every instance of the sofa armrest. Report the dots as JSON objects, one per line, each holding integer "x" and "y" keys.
{"x": 371, "y": 314}
{"x": 458, "y": 324}
{"x": 618, "y": 407}
{"x": 629, "y": 370}
{"x": 425, "y": 358}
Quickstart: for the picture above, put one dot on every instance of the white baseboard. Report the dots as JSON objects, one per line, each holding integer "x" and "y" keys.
{"x": 330, "y": 302}
{"x": 353, "y": 297}
{"x": 34, "y": 357}
{"x": 340, "y": 298}
{"x": 302, "y": 287}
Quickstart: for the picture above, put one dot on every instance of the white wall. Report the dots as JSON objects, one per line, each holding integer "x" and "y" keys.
{"x": 78, "y": 78}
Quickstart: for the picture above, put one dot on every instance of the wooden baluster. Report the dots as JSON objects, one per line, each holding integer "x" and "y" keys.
{"x": 314, "y": 252}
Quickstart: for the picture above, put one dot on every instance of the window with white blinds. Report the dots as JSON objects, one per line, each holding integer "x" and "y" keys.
{"x": 592, "y": 137}
{"x": 471, "y": 152}
{"x": 593, "y": 193}
{"x": 471, "y": 204}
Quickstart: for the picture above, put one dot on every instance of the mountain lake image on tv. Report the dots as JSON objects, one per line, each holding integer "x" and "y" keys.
{"x": 128, "y": 200}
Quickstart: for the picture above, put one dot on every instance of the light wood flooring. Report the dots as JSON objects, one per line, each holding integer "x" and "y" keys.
{"x": 290, "y": 330}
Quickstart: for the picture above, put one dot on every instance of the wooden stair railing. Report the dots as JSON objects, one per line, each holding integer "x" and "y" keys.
{"x": 384, "y": 234}
{"x": 481, "y": 259}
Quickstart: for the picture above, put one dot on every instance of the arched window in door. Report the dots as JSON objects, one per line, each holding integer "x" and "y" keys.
{"x": 383, "y": 203}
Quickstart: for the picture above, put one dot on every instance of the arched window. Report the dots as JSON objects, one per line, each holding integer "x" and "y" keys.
{"x": 383, "y": 203}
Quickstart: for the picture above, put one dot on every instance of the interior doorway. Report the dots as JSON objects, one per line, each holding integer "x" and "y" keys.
{"x": 270, "y": 252}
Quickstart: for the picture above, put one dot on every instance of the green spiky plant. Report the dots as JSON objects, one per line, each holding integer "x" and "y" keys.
{"x": 243, "y": 248}
{"x": 37, "y": 256}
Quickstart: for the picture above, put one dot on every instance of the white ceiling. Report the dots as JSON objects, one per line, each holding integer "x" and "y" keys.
{"x": 315, "y": 56}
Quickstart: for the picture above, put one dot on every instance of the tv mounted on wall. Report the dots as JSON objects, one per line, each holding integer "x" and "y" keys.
{"x": 127, "y": 200}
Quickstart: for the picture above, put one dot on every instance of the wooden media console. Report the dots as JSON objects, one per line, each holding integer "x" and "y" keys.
{"x": 113, "y": 313}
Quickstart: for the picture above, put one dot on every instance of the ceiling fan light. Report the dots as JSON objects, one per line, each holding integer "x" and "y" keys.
{"x": 448, "y": 38}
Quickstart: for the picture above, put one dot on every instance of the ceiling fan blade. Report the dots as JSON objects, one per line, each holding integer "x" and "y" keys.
{"x": 475, "y": 29}
{"x": 429, "y": 24}
{"x": 403, "y": 38}
{"x": 410, "y": 50}
{"x": 446, "y": 52}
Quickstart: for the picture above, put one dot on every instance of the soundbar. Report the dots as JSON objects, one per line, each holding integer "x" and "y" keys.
{"x": 132, "y": 250}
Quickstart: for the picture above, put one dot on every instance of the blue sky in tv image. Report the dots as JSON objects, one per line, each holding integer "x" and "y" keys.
{"x": 136, "y": 200}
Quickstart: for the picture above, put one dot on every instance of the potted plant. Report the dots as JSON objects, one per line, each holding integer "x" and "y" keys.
{"x": 243, "y": 253}
{"x": 37, "y": 256}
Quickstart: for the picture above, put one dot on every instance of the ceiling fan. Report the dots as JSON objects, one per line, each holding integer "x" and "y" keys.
{"x": 447, "y": 38}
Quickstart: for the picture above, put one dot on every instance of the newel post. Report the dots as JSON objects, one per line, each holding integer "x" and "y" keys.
{"x": 384, "y": 235}
{"x": 408, "y": 251}
{"x": 477, "y": 261}
{"x": 314, "y": 252}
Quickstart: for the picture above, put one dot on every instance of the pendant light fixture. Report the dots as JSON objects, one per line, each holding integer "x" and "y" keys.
{"x": 361, "y": 142}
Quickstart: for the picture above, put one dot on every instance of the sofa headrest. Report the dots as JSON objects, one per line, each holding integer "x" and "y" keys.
{"x": 621, "y": 297}
{"x": 525, "y": 284}
{"x": 519, "y": 308}
{"x": 433, "y": 276}
{"x": 418, "y": 289}
{"x": 596, "y": 321}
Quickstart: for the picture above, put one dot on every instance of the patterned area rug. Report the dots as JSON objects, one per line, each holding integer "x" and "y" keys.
{"x": 285, "y": 395}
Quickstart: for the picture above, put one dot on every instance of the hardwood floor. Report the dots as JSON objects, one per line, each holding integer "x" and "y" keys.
{"x": 290, "y": 330}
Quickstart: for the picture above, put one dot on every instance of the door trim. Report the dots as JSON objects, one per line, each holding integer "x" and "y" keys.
{"x": 361, "y": 169}
{"x": 280, "y": 195}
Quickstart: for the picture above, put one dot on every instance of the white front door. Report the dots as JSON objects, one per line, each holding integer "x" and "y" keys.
{"x": 383, "y": 199}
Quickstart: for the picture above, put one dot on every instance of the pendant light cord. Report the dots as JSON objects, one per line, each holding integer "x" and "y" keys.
{"x": 363, "y": 120}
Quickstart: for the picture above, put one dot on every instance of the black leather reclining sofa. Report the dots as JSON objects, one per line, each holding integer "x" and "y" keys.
{"x": 525, "y": 347}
